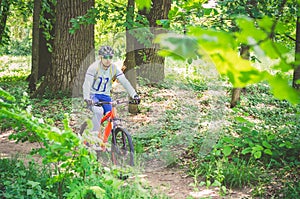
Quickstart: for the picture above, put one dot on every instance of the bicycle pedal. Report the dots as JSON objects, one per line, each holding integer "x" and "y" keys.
{"x": 86, "y": 144}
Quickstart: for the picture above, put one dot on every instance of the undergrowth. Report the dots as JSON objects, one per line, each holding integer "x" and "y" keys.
{"x": 257, "y": 146}
{"x": 261, "y": 138}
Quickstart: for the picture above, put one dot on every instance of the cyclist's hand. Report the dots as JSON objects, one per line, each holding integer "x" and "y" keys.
{"x": 137, "y": 99}
{"x": 88, "y": 102}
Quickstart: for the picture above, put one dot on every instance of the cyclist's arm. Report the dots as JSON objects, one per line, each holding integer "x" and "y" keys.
{"x": 88, "y": 81}
{"x": 125, "y": 83}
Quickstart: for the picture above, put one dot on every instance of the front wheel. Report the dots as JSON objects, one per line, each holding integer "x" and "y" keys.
{"x": 122, "y": 150}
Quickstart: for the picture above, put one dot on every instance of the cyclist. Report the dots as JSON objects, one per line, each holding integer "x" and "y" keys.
{"x": 98, "y": 83}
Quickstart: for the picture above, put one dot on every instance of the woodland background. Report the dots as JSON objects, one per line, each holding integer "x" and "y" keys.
{"x": 249, "y": 49}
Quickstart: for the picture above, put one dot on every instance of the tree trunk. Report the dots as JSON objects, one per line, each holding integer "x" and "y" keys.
{"x": 4, "y": 6}
{"x": 150, "y": 64}
{"x": 129, "y": 62}
{"x": 45, "y": 54}
{"x": 71, "y": 52}
{"x": 41, "y": 56}
{"x": 236, "y": 92}
{"x": 35, "y": 45}
{"x": 296, "y": 75}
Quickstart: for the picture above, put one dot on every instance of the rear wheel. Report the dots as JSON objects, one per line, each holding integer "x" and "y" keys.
{"x": 122, "y": 150}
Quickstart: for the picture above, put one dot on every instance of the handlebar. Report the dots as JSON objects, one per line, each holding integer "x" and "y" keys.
{"x": 116, "y": 102}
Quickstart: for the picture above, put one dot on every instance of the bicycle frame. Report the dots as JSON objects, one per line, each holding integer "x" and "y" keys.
{"x": 122, "y": 148}
{"x": 109, "y": 117}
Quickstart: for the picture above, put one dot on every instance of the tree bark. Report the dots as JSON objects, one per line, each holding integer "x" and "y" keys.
{"x": 129, "y": 62}
{"x": 150, "y": 64}
{"x": 35, "y": 45}
{"x": 296, "y": 75}
{"x": 45, "y": 54}
{"x": 236, "y": 92}
{"x": 4, "y": 5}
{"x": 72, "y": 53}
{"x": 41, "y": 56}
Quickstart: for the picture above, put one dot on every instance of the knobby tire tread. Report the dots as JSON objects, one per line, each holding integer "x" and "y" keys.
{"x": 115, "y": 148}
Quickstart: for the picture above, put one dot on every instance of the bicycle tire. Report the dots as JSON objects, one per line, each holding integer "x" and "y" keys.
{"x": 122, "y": 150}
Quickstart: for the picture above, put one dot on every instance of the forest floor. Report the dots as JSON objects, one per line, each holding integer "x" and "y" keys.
{"x": 170, "y": 179}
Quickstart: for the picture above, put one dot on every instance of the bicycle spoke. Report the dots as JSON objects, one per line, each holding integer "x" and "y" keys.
{"x": 122, "y": 148}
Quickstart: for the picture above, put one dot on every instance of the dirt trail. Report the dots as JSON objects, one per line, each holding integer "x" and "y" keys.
{"x": 171, "y": 181}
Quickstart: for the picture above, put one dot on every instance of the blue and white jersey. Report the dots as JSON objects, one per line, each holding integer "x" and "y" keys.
{"x": 99, "y": 81}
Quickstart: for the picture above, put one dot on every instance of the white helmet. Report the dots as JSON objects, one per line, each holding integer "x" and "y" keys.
{"x": 106, "y": 50}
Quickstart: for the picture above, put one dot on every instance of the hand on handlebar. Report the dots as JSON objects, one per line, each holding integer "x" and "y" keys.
{"x": 137, "y": 99}
{"x": 89, "y": 102}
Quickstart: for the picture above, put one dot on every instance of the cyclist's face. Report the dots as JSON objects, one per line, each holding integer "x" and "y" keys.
{"x": 106, "y": 61}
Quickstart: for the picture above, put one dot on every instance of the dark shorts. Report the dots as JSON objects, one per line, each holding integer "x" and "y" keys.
{"x": 102, "y": 98}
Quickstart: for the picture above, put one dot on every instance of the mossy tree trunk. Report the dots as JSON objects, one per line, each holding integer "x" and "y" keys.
{"x": 71, "y": 52}
{"x": 236, "y": 92}
{"x": 150, "y": 64}
{"x": 129, "y": 62}
{"x": 296, "y": 76}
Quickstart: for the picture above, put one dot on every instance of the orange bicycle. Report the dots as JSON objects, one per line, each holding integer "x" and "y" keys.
{"x": 122, "y": 150}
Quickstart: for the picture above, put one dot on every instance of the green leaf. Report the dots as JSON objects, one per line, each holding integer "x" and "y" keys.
{"x": 245, "y": 129}
{"x": 240, "y": 71}
{"x": 268, "y": 151}
{"x": 282, "y": 90}
{"x": 212, "y": 39}
{"x": 227, "y": 139}
{"x": 266, "y": 145}
{"x": 177, "y": 46}
{"x": 283, "y": 66}
{"x": 241, "y": 119}
{"x": 288, "y": 144}
{"x": 257, "y": 154}
{"x": 257, "y": 148}
{"x": 246, "y": 150}
{"x": 32, "y": 183}
{"x": 29, "y": 192}
{"x": 207, "y": 11}
{"x": 6, "y": 95}
{"x": 163, "y": 22}
{"x": 273, "y": 49}
{"x": 282, "y": 145}
{"x": 266, "y": 23}
{"x": 141, "y": 4}
{"x": 98, "y": 191}
{"x": 227, "y": 150}
{"x": 216, "y": 183}
{"x": 249, "y": 33}
{"x": 217, "y": 152}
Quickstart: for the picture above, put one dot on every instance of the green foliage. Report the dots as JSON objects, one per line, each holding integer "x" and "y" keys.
{"x": 20, "y": 181}
{"x": 142, "y": 4}
{"x": 17, "y": 47}
{"x": 16, "y": 36}
{"x": 183, "y": 13}
{"x": 221, "y": 47}
{"x": 47, "y": 21}
{"x": 261, "y": 139}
